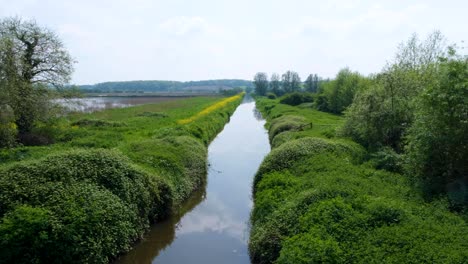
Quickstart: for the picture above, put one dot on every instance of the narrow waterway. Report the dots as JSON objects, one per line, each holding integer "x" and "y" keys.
{"x": 213, "y": 225}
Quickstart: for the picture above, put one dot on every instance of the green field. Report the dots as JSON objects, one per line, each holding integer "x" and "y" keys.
{"x": 109, "y": 175}
{"x": 317, "y": 200}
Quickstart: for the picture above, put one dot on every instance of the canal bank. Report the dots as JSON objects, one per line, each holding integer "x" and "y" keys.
{"x": 213, "y": 225}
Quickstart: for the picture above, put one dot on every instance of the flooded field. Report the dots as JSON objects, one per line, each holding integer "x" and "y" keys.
{"x": 91, "y": 104}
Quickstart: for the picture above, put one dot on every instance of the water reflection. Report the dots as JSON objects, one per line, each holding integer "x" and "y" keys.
{"x": 216, "y": 230}
{"x": 92, "y": 104}
{"x": 162, "y": 234}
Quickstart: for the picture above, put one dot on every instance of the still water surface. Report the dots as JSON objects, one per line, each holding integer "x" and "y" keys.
{"x": 92, "y": 104}
{"x": 213, "y": 225}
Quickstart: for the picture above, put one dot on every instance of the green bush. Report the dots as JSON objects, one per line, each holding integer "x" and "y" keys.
{"x": 287, "y": 123}
{"x": 180, "y": 159}
{"x": 387, "y": 159}
{"x": 271, "y": 96}
{"x": 316, "y": 202}
{"x": 82, "y": 223}
{"x": 289, "y": 153}
{"x": 308, "y": 248}
{"x": 297, "y": 98}
{"x": 99, "y": 201}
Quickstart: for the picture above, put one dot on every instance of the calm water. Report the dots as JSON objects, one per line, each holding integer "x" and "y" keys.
{"x": 91, "y": 104}
{"x": 214, "y": 228}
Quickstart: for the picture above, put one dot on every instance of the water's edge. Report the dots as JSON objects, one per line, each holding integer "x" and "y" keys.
{"x": 212, "y": 225}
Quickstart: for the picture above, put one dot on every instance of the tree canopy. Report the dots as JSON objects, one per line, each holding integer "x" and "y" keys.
{"x": 33, "y": 60}
{"x": 261, "y": 83}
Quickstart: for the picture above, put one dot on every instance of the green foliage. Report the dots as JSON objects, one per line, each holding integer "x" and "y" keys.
{"x": 180, "y": 159}
{"x": 100, "y": 123}
{"x": 261, "y": 83}
{"x": 290, "y": 82}
{"x": 287, "y": 154}
{"x": 32, "y": 60}
{"x": 8, "y": 129}
{"x": 324, "y": 124}
{"x": 286, "y": 123}
{"x": 307, "y": 248}
{"x": 59, "y": 204}
{"x": 437, "y": 141}
{"x": 275, "y": 85}
{"x": 387, "y": 159}
{"x": 296, "y": 98}
{"x": 336, "y": 95}
{"x": 81, "y": 222}
{"x": 381, "y": 114}
{"x": 314, "y": 201}
{"x": 271, "y": 95}
{"x": 312, "y": 83}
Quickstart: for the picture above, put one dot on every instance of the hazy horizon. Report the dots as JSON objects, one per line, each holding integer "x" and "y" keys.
{"x": 183, "y": 41}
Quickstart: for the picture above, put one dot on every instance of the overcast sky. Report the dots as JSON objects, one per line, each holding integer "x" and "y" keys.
{"x": 118, "y": 40}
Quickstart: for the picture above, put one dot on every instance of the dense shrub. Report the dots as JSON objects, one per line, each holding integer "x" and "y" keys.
{"x": 180, "y": 159}
{"x": 82, "y": 223}
{"x": 93, "y": 190}
{"x": 271, "y": 96}
{"x": 315, "y": 202}
{"x": 336, "y": 95}
{"x": 297, "y": 98}
{"x": 387, "y": 159}
{"x": 287, "y": 123}
{"x": 289, "y": 153}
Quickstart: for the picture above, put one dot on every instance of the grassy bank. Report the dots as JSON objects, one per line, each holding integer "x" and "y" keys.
{"x": 317, "y": 201}
{"x": 109, "y": 175}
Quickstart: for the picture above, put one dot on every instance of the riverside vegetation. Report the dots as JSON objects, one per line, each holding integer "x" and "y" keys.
{"x": 110, "y": 174}
{"x": 316, "y": 200}
{"x": 381, "y": 177}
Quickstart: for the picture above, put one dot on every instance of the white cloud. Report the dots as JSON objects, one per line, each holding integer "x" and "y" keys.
{"x": 183, "y": 26}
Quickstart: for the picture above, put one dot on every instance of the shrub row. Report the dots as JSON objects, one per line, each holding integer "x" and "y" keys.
{"x": 316, "y": 202}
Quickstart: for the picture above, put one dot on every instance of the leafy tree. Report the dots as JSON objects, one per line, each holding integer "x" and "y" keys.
{"x": 8, "y": 129}
{"x": 275, "y": 84}
{"x": 312, "y": 83}
{"x": 388, "y": 109}
{"x": 437, "y": 140}
{"x": 309, "y": 83}
{"x": 316, "y": 83}
{"x": 261, "y": 83}
{"x": 339, "y": 93}
{"x": 33, "y": 59}
{"x": 291, "y": 82}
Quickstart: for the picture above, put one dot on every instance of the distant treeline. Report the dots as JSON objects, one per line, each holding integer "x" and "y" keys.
{"x": 166, "y": 86}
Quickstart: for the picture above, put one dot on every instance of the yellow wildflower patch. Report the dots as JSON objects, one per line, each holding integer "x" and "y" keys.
{"x": 210, "y": 109}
